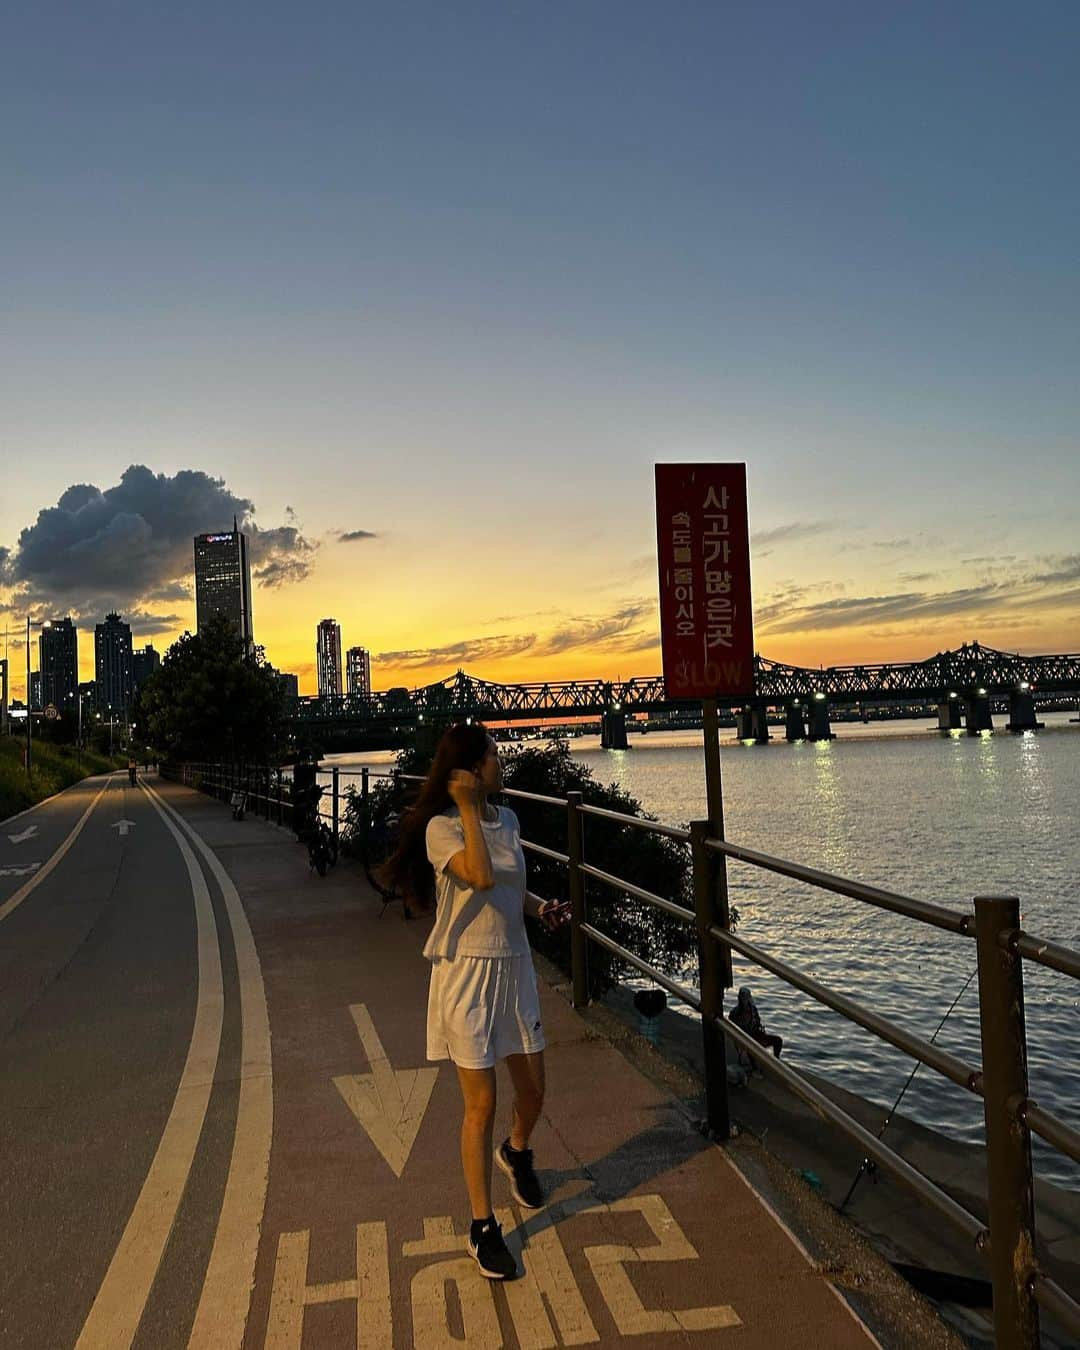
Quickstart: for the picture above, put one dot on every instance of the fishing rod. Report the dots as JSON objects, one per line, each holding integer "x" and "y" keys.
{"x": 868, "y": 1165}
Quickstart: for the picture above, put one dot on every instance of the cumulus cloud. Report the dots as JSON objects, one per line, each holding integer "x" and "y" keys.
{"x": 130, "y": 545}
{"x": 354, "y": 536}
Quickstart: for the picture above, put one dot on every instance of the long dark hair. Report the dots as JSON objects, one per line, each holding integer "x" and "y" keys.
{"x": 463, "y": 746}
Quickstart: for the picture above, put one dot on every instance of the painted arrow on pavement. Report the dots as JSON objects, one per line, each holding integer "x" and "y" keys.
{"x": 388, "y": 1102}
{"x": 26, "y": 834}
{"x": 124, "y": 825}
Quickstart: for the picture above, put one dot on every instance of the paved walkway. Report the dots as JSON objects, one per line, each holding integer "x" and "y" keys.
{"x": 302, "y": 1156}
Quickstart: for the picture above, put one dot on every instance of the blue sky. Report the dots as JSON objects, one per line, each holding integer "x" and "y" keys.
{"x": 457, "y": 275}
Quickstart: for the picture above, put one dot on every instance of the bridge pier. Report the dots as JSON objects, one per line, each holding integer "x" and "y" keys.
{"x": 818, "y": 719}
{"x": 948, "y": 714}
{"x": 794, "y": 723}
{"x": 613, "y": 730}
{"x": 977, "y": 713}
{"x": 1022, "y": 712}
{"x": 751, "y": 723}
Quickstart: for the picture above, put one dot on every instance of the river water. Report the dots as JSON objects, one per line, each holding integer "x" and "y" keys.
{"x": 938, "y": 817}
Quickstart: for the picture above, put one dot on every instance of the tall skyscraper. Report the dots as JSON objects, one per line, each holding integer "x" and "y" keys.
{"x": 35, "y": 690}
{"x": 143, "y": 664}
{"x": 113, "y": 664}
{"x": 358, "y": 670}
{"x": 328, "y": 658}
{"x": 58, "y": 661}
{"x": 223, "y": 580}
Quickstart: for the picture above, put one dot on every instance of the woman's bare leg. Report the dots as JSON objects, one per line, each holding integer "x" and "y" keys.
{"x": 527, "y": 1076}
{"x": 478, "y": 1092}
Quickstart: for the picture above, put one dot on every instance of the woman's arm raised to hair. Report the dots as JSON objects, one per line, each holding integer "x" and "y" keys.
{"x": 472, "y": 865}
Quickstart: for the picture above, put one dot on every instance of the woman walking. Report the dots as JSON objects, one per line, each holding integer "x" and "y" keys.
{"x": 483, "y": 1004}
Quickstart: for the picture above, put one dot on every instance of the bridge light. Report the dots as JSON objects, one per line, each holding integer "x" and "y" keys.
{"x": 468, "y": 721}
{"x": 420, "y": 717}
{"x": 819, "y": 696}
{"x": 952, "y": 695}
{"x": 1024, "y": 686}
{"x": 616, "y": 707}
{"x": 982, "y": 693}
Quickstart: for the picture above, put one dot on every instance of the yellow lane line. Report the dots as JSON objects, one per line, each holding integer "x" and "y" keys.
{"x": 114, "y": 1318}
{"x": 223, "y": 1308}
{"x": 14, "y": 901}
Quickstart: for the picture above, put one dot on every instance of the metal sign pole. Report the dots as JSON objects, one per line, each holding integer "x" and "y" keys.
{"x": 714, "y": 797}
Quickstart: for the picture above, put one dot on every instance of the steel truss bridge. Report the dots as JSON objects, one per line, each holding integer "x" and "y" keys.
{"x": 969, "y": 671}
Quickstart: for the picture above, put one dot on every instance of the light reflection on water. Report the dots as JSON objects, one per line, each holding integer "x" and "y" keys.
{"x": 941, "y": 818}
{"x": 938, "y": 817}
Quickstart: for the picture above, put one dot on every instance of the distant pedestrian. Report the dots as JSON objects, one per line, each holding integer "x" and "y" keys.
{"x": 460, "y": 850}
{"x": 746, "y": 1016}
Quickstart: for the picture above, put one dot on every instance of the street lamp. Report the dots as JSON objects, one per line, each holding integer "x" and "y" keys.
{"x": 46, "y": 623}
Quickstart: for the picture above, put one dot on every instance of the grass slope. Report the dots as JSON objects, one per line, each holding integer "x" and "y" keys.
{"x": 55, "y": 768}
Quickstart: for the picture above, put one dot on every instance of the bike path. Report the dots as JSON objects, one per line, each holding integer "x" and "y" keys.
{"x": 650, "y": 1237}
{"x": 98, "y": 991}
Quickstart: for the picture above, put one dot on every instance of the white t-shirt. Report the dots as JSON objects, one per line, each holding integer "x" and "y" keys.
{"x": 470, "y": 922}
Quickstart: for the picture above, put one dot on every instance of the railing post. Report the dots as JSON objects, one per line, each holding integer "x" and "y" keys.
{"x": 579, "y": 942}
{"x": 1008, "y": 1142}
{"x": 280, "y": 803}
{"x": 365, "y": 785}
{"x": 334, "y": 781}
{"x": 711, "y": 982}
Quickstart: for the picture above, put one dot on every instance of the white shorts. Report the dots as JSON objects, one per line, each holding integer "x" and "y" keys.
{"x": 483, "y": 1008}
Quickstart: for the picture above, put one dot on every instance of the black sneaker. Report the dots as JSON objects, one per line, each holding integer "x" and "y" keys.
{"x": 490, "y": 1252}
{"x": 518, "y": 1166}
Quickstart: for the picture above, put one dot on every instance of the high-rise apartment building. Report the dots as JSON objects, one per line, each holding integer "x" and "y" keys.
{"x": 58, "y": 662}
{"x": 35, "y": 690}
{"x": 358, "y": 670}
{"x": 223, "y": 580}
{"x": 113, "y": 664}
{"x": 143, "y": 664}
{"x": 288, "y": 684}
{"x": 328, "y": 658}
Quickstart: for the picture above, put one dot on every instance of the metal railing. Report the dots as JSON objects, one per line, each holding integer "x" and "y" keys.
{"x": 1007, "y": 1240}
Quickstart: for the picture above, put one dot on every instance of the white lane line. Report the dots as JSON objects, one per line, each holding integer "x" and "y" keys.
{"x": 114, "y": 1318}
{"x": 223, "y": 1308}
{"x": 14, "y": 901}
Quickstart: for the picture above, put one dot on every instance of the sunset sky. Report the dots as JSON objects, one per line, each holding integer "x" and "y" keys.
{"x": 422, "y": 292}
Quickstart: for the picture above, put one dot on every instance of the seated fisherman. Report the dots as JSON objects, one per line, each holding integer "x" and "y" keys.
{"x": 746, "y": 1016}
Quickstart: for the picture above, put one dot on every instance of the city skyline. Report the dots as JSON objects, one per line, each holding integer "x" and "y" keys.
{"x": 427, "y": 341}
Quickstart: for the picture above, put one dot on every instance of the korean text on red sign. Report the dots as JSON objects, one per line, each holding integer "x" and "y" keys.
{"x": 703, "y": 548}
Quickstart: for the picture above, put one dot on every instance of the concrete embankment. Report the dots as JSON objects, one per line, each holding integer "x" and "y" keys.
{"x": 777, "y": 1126}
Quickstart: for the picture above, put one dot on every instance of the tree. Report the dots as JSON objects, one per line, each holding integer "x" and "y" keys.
{"x": 213, "y": 700}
